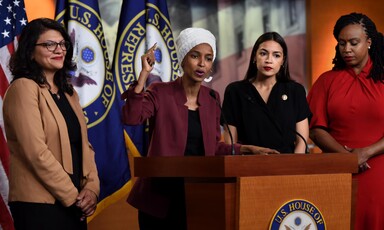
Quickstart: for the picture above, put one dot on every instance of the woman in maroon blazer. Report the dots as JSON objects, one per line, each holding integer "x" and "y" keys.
{"x": 184, "y": 121}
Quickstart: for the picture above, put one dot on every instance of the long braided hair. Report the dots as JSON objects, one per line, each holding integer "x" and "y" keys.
{"x": 376, "y": 52}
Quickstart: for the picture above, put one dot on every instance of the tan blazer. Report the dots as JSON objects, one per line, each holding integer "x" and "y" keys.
{"x": 38, "y": 141}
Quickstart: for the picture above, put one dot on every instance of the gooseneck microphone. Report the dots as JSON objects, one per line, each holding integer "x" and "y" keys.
{"x": 305, "y": 142}
{"x": 213, "y": 95}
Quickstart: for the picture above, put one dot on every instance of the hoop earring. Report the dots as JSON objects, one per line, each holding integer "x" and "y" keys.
{"x": 208, "y": 79}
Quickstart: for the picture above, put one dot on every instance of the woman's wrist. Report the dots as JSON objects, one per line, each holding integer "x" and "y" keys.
{"x": 244, "y": 149}
{"x": 141, "y": 81}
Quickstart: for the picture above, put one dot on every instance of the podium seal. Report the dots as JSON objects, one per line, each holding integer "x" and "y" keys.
{"x": 298, "y": 215}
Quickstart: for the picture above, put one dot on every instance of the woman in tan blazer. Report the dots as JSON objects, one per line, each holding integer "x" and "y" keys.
{"x": 53, "y": 176}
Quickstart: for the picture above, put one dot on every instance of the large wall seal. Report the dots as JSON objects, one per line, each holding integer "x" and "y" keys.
{"x": 93, "y": 79}
{"x": 148, "y": 27}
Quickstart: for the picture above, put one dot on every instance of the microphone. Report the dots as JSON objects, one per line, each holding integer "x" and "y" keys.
{"x": 305, "y": 142}
{"x": 213, "y": 95}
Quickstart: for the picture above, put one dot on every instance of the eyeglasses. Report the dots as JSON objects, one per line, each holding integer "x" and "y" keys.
{"x": 52, "y": 46}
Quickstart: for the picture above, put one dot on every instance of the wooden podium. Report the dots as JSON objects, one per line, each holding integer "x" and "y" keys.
{"x": 244, "y": 192}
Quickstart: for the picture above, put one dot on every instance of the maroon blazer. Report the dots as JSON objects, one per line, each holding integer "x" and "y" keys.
{"x": 164, "y": 103}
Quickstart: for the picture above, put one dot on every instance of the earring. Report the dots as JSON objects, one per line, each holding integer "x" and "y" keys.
{"x": 208, "y": 79}
{"x": 369, "y": 47}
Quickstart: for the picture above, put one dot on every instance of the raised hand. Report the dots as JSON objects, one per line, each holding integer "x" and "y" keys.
{"x": 148, "y": 59}
{"x": 147, "y": 63}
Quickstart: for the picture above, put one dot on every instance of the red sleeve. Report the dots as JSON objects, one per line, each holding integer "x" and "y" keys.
{"x": 317, "y": 100}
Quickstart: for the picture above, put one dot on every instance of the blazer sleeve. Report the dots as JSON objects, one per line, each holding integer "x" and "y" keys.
{"x": 139, "y": 106}
{"x": 318, "y": 100}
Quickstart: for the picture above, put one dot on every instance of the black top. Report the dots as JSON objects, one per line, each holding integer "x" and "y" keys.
{"x": 195, "y": 145}
{"x": 74, "y": 133}
{"x": 271, "y": 124}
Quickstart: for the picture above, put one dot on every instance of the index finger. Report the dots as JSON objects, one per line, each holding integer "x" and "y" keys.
{"x": 153, "y": 47}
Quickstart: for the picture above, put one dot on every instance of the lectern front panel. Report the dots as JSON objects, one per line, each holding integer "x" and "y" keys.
{"x": 325, "y": 197}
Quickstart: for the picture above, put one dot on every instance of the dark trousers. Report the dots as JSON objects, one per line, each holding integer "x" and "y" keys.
{"x": 173, "y": 221}
{"x": 175, "y": 218}
{"x": 37, "y": 216}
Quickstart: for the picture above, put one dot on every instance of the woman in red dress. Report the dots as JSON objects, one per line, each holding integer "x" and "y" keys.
{"x": 348, "y": 111}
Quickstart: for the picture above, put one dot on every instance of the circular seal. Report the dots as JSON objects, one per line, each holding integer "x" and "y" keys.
{"x": 150, "y": 26}
{"x": 93, "y": 79}
{"x": 298, "y": 214}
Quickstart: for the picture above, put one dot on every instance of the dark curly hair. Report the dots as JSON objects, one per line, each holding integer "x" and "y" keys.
{"x": 283, "y": 74}
{"x": 376, "y": 51}
{"x": 22, "y": 65}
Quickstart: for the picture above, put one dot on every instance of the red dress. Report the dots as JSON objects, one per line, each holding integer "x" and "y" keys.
{"x": 351, "y": 108}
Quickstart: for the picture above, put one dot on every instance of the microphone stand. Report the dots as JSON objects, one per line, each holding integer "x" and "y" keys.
{"x": 305, "y": 142}
{"x": 213, "y": 95}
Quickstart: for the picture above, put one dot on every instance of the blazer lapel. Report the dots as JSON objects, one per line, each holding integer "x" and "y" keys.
{"x": 181, "y": 99}
{"x": 61, "y": 124}
{"x": 206, "y": 113}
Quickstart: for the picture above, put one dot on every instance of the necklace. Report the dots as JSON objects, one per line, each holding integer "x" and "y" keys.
{"x": 57, "y": 95}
